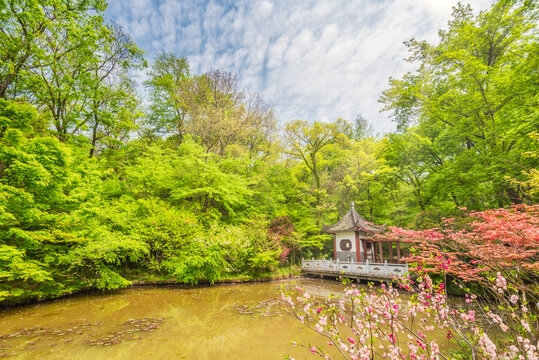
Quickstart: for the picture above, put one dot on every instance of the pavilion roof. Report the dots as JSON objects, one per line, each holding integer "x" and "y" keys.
{"x": 352, "y": 221}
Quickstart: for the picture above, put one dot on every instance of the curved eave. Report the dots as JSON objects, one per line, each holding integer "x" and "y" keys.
{"x": 331, "y": 231}
{"x": 375, "y": 230}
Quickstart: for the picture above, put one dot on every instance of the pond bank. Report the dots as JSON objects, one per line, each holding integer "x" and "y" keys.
{"x": 141, "y": 282}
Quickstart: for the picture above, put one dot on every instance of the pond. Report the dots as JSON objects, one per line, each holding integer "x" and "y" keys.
{"x": 243, "y": 321}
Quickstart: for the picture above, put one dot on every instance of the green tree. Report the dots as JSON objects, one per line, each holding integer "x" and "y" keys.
{"x": 169, "y": 80}
{"x": 113, "y": 106}
{"x": 28, "y": 25}
{"x": 472, "y": 97}
{"x": 305, "y": 143}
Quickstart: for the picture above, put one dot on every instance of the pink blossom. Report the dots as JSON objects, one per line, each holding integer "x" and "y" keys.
{"x": 525, "y": 325}
{"x": 434, "y": 348}
{"x": 501, "y": 282}
{"x": 496, "y": 318}
{"x": 488, "y": 347}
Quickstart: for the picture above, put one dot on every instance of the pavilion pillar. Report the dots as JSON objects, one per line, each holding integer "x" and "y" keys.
{"x": 391, "y": 250}
{"x": 381, "y": 251}
{"x": 358, "y": 252}
{"x": 398, "y": 250}
{"x": 334, "y": 246}
{"x": 364, "y": 250}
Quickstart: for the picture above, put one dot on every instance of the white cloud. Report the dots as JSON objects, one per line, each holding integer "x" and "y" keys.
{"x": 315, "y": 60}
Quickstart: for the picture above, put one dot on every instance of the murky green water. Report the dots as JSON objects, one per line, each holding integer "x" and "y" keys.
{"x": 216, "y": 322}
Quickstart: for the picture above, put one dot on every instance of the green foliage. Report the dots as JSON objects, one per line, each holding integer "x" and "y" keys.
{"x": 18, "y": 273}
{"x": 108, "y": 279}
{"x": 198, "y": 263}
{"x": 265, "y": 260}
{"x": 191, "y": 178}
{"x": 471, "y": 104}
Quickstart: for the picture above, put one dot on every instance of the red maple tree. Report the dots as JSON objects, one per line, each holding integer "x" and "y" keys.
{"x": 475, "y": 246}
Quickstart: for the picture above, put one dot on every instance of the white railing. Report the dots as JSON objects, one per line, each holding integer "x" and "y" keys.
{"x": 384, "y": 269}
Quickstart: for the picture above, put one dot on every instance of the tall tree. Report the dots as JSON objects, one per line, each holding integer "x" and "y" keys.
{"x": 212, "y": 107}
{"x": 169, "y": 80}
{"x": 362, "y": 128}
{"x": 221, "y": 114}
{"x": 305, "y": 143}
{"x": 61, "y": 77}
{"x": 113, "y": 104}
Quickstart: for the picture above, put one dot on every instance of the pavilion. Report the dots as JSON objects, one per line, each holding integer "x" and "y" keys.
{"x": 354, "y": 240}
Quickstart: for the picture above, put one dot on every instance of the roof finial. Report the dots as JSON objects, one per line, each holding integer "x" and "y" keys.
{"x": 353, "y": 205}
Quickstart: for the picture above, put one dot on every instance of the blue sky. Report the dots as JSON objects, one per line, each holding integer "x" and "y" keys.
{"x": 314, "y": 60}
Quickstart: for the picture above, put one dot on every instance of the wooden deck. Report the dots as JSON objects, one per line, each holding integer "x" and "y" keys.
{"x": 353, "y": 270}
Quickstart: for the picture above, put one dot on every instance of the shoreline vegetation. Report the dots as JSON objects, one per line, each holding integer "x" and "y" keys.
{"x": 148, "y": 281}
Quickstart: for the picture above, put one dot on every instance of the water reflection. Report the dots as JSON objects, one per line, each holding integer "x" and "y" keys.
{"x": 217, "y": 322}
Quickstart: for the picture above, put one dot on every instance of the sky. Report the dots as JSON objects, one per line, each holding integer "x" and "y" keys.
{"x": 313, "y": 60}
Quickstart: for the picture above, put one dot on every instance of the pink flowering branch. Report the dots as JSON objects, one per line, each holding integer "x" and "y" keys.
{"x": 382, "y": 323}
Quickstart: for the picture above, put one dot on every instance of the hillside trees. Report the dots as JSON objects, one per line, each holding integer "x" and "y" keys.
{"x": 192, "y": 197}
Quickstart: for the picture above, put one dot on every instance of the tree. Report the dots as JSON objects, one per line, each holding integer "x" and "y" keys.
{"x": 27, "y": 25}
{"x": 211, "y": 107}
{"x": 113, "y": 104}
{"x": 472, "y": 96}
{"x": 305, "y": 143}
{"x": 365, "y": 164}
{"x": 223, "y": 115}
{"x": 480, "y": 244}
{"x": 59, "y": 80}
{"x": 73, "y": 66}
{"x": 406, "y": 154}
{"x": 169, "y": 80}
{"x": 362, "y": 128}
